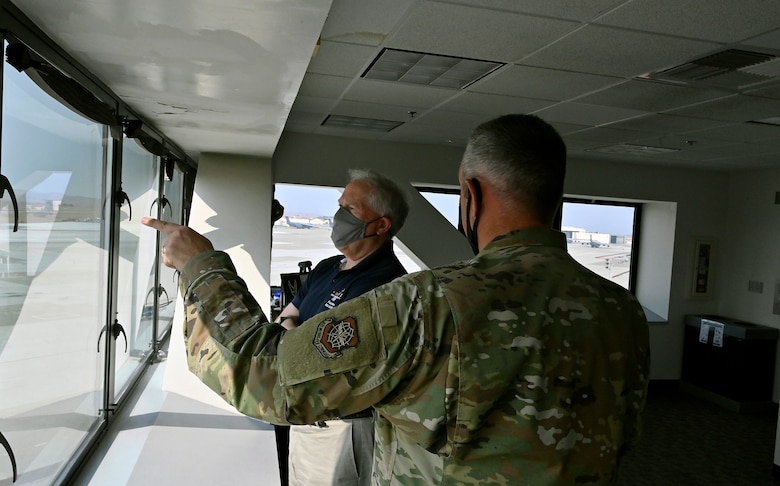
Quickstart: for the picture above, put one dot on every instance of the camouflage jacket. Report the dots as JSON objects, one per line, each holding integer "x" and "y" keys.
{"x": 518, "y": 366}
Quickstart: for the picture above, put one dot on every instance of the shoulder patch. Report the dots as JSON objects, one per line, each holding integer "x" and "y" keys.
{"x": 335, "y": 335}
{"x": 340, "y": 340}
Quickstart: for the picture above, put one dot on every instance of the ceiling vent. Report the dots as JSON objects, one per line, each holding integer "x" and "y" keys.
{"x": 355, "y": 123}
{"x": 732, "y": 69}
{"x": 772, "y": 120}
{"x": 632, "y": 149}
{"x": 428, "y": 69}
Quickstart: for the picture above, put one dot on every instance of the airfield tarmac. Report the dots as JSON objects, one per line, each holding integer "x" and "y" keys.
{"x": 293, "y": 245}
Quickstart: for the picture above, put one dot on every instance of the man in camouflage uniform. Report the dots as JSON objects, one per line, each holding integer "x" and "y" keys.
{"x": 518, "y": 366}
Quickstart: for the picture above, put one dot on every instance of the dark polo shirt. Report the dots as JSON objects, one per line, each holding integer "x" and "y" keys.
{"x": 327, "y": 286}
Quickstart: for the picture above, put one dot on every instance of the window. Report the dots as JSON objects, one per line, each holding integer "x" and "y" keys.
{"x": 76, "y": 270}
{"x": 53, "y": 277}
{"x": 139, "y": 298}
{"x": 446, "y": 201}
{"x": 601, "y": 235}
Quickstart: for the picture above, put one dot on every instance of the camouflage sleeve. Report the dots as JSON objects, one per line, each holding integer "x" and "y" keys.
{"x": 349, "y": 358}
{"x": 638, "y": 381}
{"x": 338, "y": 362}
{"x": 230, "y": 345}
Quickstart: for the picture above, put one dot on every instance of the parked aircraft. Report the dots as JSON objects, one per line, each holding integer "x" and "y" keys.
{"x": 297, "y": 224}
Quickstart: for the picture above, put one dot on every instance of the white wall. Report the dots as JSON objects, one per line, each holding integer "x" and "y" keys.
{"x": 751, "y": 251}
{"x": 232, "y": 207}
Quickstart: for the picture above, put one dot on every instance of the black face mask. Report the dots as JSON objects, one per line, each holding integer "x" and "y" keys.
{"x": 471, "y": 232}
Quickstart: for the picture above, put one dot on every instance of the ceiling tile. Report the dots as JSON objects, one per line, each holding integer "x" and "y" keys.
{"x": 545, "y": 84}
{"x": 582, "y": 114}
{"x": 769, "y": 40}
{"x": 386, "y": 92}
{"x": 606, "y": 135}
{"x": 431, "y": 133}
{"x": 313, "y": 104}
{"x": 494, "y": 105}
{"x": 617, "y": 52}
{"x": 457, "y": 30}
{"x": 361, "y": 22}
{"x": 741, "y": 132}
{"x": 453, "y": 119}
{"x": 736, "y": 108}
{"x": 566, "y": 128}
{"x": 712, "y": 150}
{"x": 323, "y": 86}
{"x": 772, "y": 91}
{"x": 667, "y": 123}
{"x": 562, "y": 9}
{"x": 340, "y": 59}
{"x": 633, "y": 158}
{"x": 700, "y": 19}
{"x": 301, "y": 121}
{"x": 580, "y": 148}
{"x": 650, "y": 96}
{"x": 685, "y": 144}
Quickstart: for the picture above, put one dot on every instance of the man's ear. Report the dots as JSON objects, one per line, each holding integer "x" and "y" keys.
{"x": 474, "y": 197}
{"x": 384, "y": 225}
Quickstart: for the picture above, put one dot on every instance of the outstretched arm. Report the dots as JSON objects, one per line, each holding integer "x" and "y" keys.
{"x": 181, "y": 242}
{"x": 343, "y": 363}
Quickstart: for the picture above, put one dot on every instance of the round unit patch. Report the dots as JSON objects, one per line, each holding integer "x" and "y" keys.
{"x": 334, "y": 335}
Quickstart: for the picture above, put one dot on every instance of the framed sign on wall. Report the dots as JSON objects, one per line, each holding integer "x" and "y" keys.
{"x": 702, "y": 272}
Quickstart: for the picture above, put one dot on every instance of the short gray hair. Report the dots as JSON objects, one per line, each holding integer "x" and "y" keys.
{"x": 523, "y": 158}
{"x": 386, "y": 197}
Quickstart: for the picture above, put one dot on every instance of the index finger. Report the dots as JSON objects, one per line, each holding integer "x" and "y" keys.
{"x": 161, "y": 226}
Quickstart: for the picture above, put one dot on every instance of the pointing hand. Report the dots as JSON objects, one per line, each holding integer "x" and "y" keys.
{"x": 180, "y": 244}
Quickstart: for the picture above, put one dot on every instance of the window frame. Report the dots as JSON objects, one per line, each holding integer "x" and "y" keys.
{"x": 636, "y": 224}
{"x": 635, "y": 236}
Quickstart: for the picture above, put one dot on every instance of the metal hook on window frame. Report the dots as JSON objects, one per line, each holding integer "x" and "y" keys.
{"x": 160, "y": 291}
{"x": 122, "y": 198}
{"x": 116, "y": 330}
{"x": 7, "y": 447}
{"x": 5, "y": 185}
{"x": 163, "y": 201}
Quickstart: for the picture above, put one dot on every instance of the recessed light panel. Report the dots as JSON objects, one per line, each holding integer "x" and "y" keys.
{"x": 772, "y": 120}
{"x": 631, "y": 149}
{"x": 428, "y": 69}
{"x": 732, "y": 69}
{"x": 355, "y": 123}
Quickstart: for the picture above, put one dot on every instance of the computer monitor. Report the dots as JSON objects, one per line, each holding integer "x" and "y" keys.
{"x": 276, "y": 297}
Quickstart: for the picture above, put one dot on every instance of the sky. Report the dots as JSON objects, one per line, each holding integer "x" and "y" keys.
{"x": 317, "y": 201}
{"x": 311, "y": 201}
{"x": 599, "y": 218}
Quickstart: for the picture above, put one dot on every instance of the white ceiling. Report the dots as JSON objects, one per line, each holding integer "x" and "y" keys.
{"x": 230, "y": 75}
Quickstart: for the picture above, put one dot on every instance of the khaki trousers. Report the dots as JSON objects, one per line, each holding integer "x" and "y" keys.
{"x": 337, "y": 454}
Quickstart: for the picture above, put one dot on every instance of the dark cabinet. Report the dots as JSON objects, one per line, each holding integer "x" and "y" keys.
{"x": 733, "y": 361}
